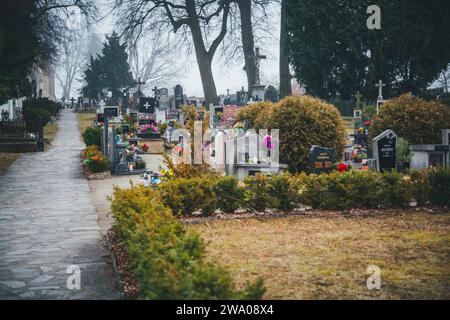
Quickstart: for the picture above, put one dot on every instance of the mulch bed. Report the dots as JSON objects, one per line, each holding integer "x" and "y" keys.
{"x": 127, "y": 282}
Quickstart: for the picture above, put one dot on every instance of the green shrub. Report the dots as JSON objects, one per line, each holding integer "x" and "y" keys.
{"x": 356, "y": 190}
{"x": 42, "y": 103}
{"x": 92, "y": 136}
{"x": 256, "y": 193}
{"x": 420, "y": 188}
{"x": 439, "y": 182}
{"x": 188, "y": 195}
{"x": 255, "y": 115}
{"x": 416, "y": 120}
{"x": 32, "y": 116}
{"x": 305, "y": 121}
{"x": 96, "y": 162}
{"x": 228, "y": 194}
{"x": 167, "y": 260}
{"x": 283, "y": 192}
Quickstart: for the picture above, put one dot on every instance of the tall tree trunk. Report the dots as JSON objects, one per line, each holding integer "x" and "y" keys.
{"x": 204, "y": 58}
{"x": 285, "y": 74}
{"x": 209, "y": 87}
{"x": 248, "y": 41}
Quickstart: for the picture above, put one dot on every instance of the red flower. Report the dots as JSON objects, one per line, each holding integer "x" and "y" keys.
{"x": 367, "y": 123}
{"x": 342, "y": 167}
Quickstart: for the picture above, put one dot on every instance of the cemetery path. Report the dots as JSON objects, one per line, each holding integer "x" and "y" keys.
{"x": 48, "y": 223}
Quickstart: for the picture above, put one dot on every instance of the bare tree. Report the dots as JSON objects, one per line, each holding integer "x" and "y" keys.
{"x": 444, "y": 79}
{"x": 69, "y": 65}
{"x": 151, "y": 59}
{"x": 52, "y": 17}
{"x": 204, "y": 20}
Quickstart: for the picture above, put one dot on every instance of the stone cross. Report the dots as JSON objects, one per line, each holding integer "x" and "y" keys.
{"x": 380, "y": 86}
{"x": 358, "y": 97}
{"x": 258, "y": 57}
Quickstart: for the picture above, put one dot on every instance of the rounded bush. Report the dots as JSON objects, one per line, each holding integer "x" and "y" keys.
{"x": 92, "y": 136}
{"x": 305, "y": 121}
{"x": 255, "y": 115}
{"x": 414, "y": 119}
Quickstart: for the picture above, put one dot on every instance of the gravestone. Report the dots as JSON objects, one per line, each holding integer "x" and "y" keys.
{"x": 178, "y": 96}
{"x": 321, "y": 159}
{"x": 163, "y": 98}
{"x": 111, "y": 112}
{"x": 147, "y": 105}
{"x": 125, "y": 129}
{"x": 100, "y": 117}
{"x": 384, "y": 146}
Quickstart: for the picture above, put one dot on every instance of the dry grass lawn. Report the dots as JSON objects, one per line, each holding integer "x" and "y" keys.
{"x": 326, "y": 257}
{"x": 7, "y": 159}
{"x": 85, "y": 120}
{"x": 50, "y": 131}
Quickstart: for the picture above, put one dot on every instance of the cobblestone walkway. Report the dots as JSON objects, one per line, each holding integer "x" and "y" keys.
{"x": 48, "y": 223}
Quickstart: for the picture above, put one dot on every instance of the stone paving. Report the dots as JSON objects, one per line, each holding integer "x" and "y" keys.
{"x": 48, "y": 223}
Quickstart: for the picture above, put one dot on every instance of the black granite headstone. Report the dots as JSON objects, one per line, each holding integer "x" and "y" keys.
{"x": 111, "y": 112}
{"x": 321, "y": 159}
{"x": 178, "y": 96}
{"x": 147, "y": 105}
{"x": 386, "y": 152}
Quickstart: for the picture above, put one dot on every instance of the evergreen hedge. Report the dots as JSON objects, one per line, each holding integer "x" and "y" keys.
{"x": 168, "y": 260}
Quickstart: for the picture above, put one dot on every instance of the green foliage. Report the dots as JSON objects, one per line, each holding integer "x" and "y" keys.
{"x": 92, "y": 136}
{"x": 32, "y": 116}
{"x": 355, "y": 190}
{"x": 100, "y": 165}
{"x": 256, "y": 193}
{"x": 188, "y": 195}
{"x": 445, "y": 99}
{"x": 305, "y": 121}
{"x": 271, "y": 94}
{"x": 167, "y": 260}
{"x": 414, "y": 119}
{"x": 283, "y": 192}
{"x": 439, "y": 182}
{"x": 402, "y": 153}
{"x": 329, "y": 46}
{"x": 110, "y": 70}
{"x": 42, "y": 103}
{"x": 228, "y": 193}
{"x": 255, "y": 115}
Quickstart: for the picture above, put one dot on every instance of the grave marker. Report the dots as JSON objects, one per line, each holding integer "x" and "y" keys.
{"x": 321, "y": 159}
{"x": 384, "y": 146}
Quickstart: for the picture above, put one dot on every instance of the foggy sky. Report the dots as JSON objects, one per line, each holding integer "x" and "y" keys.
{"x": 226, "y": 77}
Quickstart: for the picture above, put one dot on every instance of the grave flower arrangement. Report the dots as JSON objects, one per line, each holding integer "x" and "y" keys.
{"x": 148, "y": 128}
{"x": 144, "y": 147}
{"x": 94, "y": 160}
{"x": 343, "y": 167}
{"x": 359, "y": 154}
